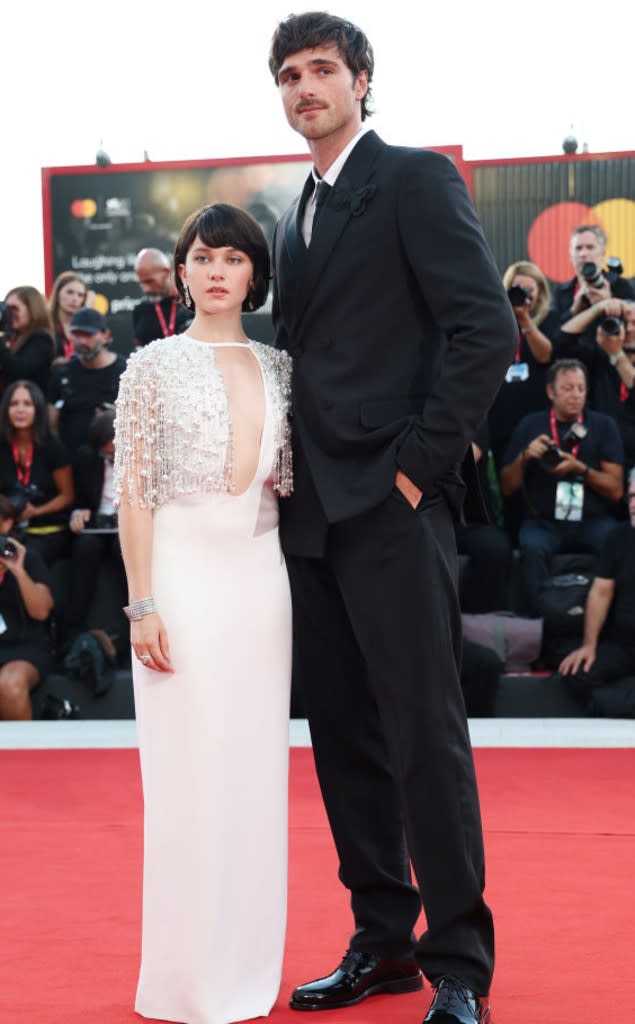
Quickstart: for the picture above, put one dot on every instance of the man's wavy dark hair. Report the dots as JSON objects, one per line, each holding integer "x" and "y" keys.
{"x": 316, "y": 28}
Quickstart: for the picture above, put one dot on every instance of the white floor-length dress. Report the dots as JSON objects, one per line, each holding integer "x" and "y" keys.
{"x": 213, "y": 738}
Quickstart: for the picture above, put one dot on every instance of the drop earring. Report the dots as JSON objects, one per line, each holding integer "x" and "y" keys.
{"x": 186, "y": 295}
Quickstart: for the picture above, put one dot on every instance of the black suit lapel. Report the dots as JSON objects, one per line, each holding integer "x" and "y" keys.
{"x": 291, "y": 255}
{"x": 352, "y": 187}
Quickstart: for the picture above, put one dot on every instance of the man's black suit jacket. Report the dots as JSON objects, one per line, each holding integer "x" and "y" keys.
{"x": 400, "y": 331}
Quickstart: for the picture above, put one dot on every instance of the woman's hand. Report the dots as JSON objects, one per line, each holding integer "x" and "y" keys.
{"x": 523, "y": 314}
{"x": 150, "y": 642}
{"x": 16, "y": 562}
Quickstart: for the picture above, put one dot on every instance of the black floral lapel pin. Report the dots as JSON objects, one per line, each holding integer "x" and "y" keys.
{"x": 356, "y": 200}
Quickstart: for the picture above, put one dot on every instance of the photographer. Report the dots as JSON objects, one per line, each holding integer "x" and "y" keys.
{"x": 25, "y": 605}
{"x": 611, "y": 364}
{"x": 35, "y": 470}
{"x": 592, "y": 283}
{"x": 94, "y": 490}
{"x": 523, "y": 389}
{"x": 567, "y": 462}
{"x": 26, "y": 342}
{"x": 87, "y": 381}
{"x": 607, "y": 652}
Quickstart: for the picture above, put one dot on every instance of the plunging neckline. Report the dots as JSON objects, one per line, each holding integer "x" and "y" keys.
{"x": 266, "y": 405}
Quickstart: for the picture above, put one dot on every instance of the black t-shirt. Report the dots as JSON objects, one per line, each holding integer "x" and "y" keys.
{"x": 20, "y": 629}
{"x": 516, "y": 397}
{"x": 81, "y": 390}
{"x": 31, "y": 362}
{"x": 47, "y": 457}
{"x": 604, "y": 384}
{"x": 617, "y": 562}
{"x": 610, "y": 397}
{"x": 601, "y": 444}
{"x": 147, "y": 326}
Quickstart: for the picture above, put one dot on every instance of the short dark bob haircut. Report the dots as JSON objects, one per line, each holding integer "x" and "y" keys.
{"x": 221, "y": 225}
{"x": 40, "y": 428}
{"x": 317, "y": 28}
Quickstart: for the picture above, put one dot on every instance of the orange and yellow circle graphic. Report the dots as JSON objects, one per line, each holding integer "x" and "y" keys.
{"x": 83, "y": 208}
{"x": 549, "y": 236}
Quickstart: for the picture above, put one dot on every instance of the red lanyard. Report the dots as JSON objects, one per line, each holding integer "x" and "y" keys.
{"x": 168, "y": 329}
{"x": 554, "y": 432}
{"x": 518, "y": 347}
{"x": 23, "y": 469}
{"x": 67, "y": 343}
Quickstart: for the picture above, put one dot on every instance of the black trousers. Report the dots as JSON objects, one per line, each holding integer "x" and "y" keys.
{"x": 89, "y": 550}
{"x": 377, "y": 642}
{"x": 484, "y": 582}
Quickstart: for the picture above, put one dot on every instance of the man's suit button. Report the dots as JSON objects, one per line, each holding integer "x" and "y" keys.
{"x": 326, "y": 405}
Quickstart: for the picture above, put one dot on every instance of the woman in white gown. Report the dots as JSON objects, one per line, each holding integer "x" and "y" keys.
{"x": 202, "y": 451}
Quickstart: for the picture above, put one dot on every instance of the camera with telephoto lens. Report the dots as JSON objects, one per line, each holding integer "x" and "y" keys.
{"x": 7, "y": 546}
{"x": 23, "y": 495}
{"x": 518, "y": 295}
{"x": 552, "y": 457}
{"x": 612, "y": 325}
{"x": 592, "y": 274}
{"x": 6, "y": 322}
{"x": 594, "y": 277}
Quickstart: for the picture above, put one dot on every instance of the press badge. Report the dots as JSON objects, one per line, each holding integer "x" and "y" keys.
{"x": 569, "y": 501}
{"x": 517, "y": 372}
{"x": 3, "y": 625}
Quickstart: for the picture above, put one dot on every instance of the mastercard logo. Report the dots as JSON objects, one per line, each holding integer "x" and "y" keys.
{"x": 550, "y": 234}
{"x": 83, "y": 208}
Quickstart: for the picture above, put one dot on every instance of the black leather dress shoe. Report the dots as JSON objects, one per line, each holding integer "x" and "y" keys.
{"x": 358, "y": 976}
{"x": 454, "y": 1003}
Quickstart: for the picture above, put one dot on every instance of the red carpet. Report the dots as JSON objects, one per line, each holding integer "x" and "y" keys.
{"x": 560, "y": 836}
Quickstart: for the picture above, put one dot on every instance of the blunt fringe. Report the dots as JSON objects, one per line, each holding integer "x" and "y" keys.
{"x": 221, "y": 225}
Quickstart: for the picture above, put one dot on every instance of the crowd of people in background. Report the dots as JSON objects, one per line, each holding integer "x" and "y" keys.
{"x": 555, "y": 458}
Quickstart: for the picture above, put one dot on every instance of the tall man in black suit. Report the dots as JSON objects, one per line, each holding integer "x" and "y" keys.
{"x": 393, "y": 309}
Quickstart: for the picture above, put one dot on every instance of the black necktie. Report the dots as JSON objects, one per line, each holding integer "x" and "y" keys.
{"x": 322, "y": 190}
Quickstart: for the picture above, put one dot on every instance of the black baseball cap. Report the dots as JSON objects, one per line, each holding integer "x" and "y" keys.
{"x": 88, "y": 321}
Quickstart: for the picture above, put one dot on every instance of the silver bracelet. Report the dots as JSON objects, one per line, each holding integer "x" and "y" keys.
{"x": 138, "y": 609}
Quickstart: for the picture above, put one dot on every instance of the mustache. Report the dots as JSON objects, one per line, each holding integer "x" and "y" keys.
{"x": 308, "y": 105}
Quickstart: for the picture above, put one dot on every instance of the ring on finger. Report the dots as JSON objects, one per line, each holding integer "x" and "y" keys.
{"x": 145, "y": 658}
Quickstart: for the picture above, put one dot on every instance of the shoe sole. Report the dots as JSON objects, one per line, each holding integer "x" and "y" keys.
{"x": 394, "y": 988}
